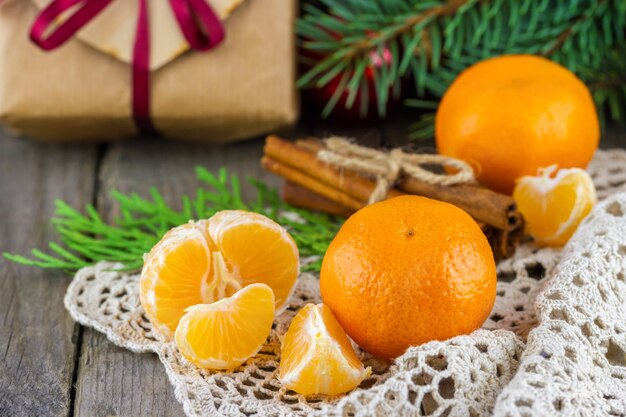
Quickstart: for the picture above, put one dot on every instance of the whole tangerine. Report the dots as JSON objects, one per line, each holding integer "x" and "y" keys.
{"x": 407, "y": 271}
{"x": 511, "y": 115}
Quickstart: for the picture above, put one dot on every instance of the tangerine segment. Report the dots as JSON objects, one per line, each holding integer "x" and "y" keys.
{"x": 205, "y": 261}
{"x": 174, "y": 273}
{"x": 554, "y": 203}
{"x": 256, "y": 249}
{"x": 223, "y": 335}
{"x": 317, "y": 356}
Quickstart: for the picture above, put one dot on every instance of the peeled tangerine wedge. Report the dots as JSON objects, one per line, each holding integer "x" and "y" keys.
{"x": 205, "y": 261}
{"x": 317, "y": 357}
{"x": 223, "y": 335}
{"x": 554, "y": 203}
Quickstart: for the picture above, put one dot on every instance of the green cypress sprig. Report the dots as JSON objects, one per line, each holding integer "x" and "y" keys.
{"x": 87, "y": 239}
{"x": 431, "y": 41}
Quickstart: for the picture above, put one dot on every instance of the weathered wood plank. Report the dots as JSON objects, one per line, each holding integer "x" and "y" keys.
{"x": 613, "y": 137}
{"x": 37, "y": 336}
{"x": 111, "y": 380}
{"x": 366, "y": 134}
{"x": 397, "y": 128}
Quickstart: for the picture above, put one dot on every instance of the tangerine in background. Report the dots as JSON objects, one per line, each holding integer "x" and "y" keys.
{"x": 407, "y": 271}
{"x": 511, "y": 115}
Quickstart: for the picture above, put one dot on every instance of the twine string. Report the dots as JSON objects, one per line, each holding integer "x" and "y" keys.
{"x": 388, "y": 167}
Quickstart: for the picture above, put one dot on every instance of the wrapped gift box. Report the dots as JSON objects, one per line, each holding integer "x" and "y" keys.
{"x": 82, "y": 90}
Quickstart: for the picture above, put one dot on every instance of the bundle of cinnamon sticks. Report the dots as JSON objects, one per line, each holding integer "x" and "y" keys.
{"x": 315, "y": 185}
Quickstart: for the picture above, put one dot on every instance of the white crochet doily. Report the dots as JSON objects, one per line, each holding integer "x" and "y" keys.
{"x": 554, "y": 345}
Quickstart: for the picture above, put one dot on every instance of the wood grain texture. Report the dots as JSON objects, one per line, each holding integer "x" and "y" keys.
{"x": 37, "y": 335}
{"x": 366, "y": 134}
{"x": 613, "y": 137}
{"x": 397, "y": 128}
{"x": 112, "y": 381}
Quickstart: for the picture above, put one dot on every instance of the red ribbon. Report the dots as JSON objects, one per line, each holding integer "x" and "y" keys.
{"x": 191, "y": 13}
{"x": 198, "y": 22}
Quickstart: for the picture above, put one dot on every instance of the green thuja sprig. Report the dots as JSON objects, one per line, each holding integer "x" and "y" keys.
{"x": 87, "y": 239}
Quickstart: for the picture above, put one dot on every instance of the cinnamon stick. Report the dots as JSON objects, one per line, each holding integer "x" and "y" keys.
{"x": 502, "y": 242}
{"x": 305, "y": 161}
{"x": 482, "y": 203}
{"x": 299, "y": 196}
{"x": 494, "y": 209}
{"x": 300, "y": 178}
{"x": 498, "y": 210}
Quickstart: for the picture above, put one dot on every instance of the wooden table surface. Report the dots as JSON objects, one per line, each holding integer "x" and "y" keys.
{"x": 52, "y": 366}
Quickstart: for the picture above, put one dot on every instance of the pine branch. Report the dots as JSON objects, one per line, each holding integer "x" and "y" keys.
{"x": 86, "y": 239}
{"x": 430, "y": 42}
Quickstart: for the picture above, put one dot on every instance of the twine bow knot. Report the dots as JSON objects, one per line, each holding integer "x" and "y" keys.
{"x": 388, "y": 167}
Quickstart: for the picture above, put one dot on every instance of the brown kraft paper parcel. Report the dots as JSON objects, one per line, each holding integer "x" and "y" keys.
{"x": 243, "y": 87}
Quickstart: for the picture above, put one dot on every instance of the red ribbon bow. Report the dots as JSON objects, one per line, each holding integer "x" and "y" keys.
{"x": 198, "y": 22}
